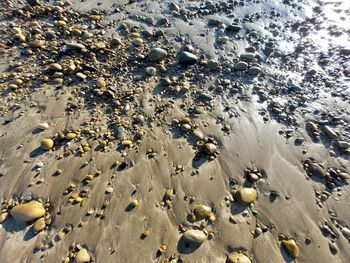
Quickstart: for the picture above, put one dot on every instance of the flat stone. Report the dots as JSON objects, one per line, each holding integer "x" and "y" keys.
{"x": 248, "y": 56}
{"x": 157, "y": 54}
{"x": 195, "y": 236}
{"x": 330, "y": 132}
{"x": 28, "y": 211}
{"x": 187, "y": 58}
{"x": 241, "y": 65}
{"x": 254, "y": 70}
{"x": 75, "y": 46}
{"x": 234, "y": 28}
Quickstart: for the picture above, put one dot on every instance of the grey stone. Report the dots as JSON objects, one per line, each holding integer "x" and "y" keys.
{"x": 254, "y": 70}
{"x": 247, "y": 56}
{"x": 75, "y": 46}
{"x": 157, "y": 54}
{"x": 241, "y": 65}
{"x": 187, "y": 58}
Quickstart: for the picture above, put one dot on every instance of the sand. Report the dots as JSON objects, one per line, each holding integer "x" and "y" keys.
{"x": 139, "y": 145}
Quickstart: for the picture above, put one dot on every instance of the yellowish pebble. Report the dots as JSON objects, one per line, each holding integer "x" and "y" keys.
{"x": 82, "y": 256}
{"x": 28, "y": 211}
{"x": 39, "y": 224}
{"x": 235, "y": 257}
{"x": 292, "y": 247}
{"x": 47, "y": 144}
{"x": 71, "y": 135}
{"x": 245, "y": 195}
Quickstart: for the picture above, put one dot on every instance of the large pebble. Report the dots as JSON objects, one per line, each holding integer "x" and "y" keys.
{"x": 39, "y": 224}
{"x": 210, "y": 148}
{"x": 330, "y": 132}
{"x": 195, "y": 236}
{"x": 47, "y": 144}
{"x": 28, "y": 211}
{"x": 82, "y": 256}
{"x": 291, "y": 246}
{"x": 245, "y": 195}
{"x": 236, "y": 257}
{"x": 187, "y": 58}
{"x": 203, "y": 210}
{"x": 241, "y": 65}
{"x": 157, "y": 54}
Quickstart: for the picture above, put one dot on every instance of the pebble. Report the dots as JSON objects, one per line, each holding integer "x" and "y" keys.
{"x": 291, "y": 246}
{"x": 28, "y": 211}
{"x": 223, "y": 40}
{"x": 157, "y": 54}
{"x": 109, "y": 190}
{"x": 3, "y": 217}
{"x": 203, "y": 210}
{"x": 330, "y": 132}
{"x": 235, "y": 257}
{"x": 248, "y": 56}
{"x": 82, "y": 256}
{"x": 75, "y": 46}
{"x": 43, "y": 126}
{"x": 36, "y": 43}
{"x": 210, "y": 148}
{"x": 39, "y": 224}
{"x": 254, "y": 70}
{"x": 71, "y": 135}
{"x": 234, "y": 28}
{"x": 55, "y": 67}
{"x": 195, "y": 236}
{"x": 151, "y": 71}
{"x": 47, "y": 144}
{"x": 241, "y": 65}
{"x": 346, "y": 232}
{"x": 213, "y": 64}
{"x": 185, "y": 127}
{"x": 198, "y": 133}
{"x": 187, "y": 58}
{"x": 245, "y": 195}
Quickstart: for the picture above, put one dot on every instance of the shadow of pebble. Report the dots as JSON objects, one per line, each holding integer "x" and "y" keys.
{"x": 185, "y": 247}
{"x": 36, "y": 152}
{"x": 29, "y": 234}
{"x": 286, "y": 256}
{"x": 237, "y": 208}
{"x": 11, "y": 225}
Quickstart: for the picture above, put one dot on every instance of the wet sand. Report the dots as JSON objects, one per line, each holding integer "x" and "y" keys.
{"x": 161, "y": 132}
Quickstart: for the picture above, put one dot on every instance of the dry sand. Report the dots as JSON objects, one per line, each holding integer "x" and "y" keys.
{"x": 180, "y": 157}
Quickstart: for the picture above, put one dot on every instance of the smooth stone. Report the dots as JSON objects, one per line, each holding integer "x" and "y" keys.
{"x": 213, "y": 64}
{"x": 223, "y": 40}
{"x": 187, "y": 58}
{"x": 82, "y": 256}
{"x": 235, "y": 257}
{"x": 55, "y": 67}
{"x": 39, "y": 224}
{"x": 291, "y": 246}
{"x": 241, "y": 65}
{"x": 254, "y": 70}
{"x": 47, "y": 144}
{"x": 33, "y": 2}
{"x": 151, "y": 71}
{"x": 316, "y": 170}
{"x": 343, "y": 144}
{"x": 198, "y": 133}
{"x": 28, "y": 211}
{"x": 247, "y": 56}
{"x": 234, "y": 28}
{"x": 203, "y": 210}
{"x": 330, "y": 132}
{"x": 346, "y": 232}
{"x": 75, "y": 46}
{"x": 43, "y": 126}
{"x": 195, "y": 236}
{"x": 71, "y": 135}
{"x": 210, "y": 148}
{"x": 3, "y": 217}
{"x": 157, "y": 54}
{"x": 245, "y": 195}
{"x": 186, "y": 127}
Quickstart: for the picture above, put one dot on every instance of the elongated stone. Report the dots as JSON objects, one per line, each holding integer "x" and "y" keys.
{"x": 195, "y": 236}
{"x": 291, "y": 246}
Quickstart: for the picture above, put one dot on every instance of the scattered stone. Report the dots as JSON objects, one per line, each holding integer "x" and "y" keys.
{"x": 82, "y": 256}
{"x": 291, "y": 246}
{"x": 248, "y": 56}
{"x": 210, "y": 148}
{"x": 3, "y": 217}
{"x": 187, "y": 58}
{"x": 195, "y": 236}
{"x": 71, "y": 135}
{"x": 254, "y": 70}
{"x": 203, "y": 211}
{"x": 245, "y": 195}
{"x": 157, "y": 54}
{"x": 43, "y": 126}
{"x": 39, "y": 224}
{"x": 330, "y": 132}
{"x": 241, "y": 65}
{"x": 75, "y": 46}
{"x": 47, "y": 144}
{"x": 236, "y": 257}
{"x": 28, "y": 211}
{"x": 151, "y": 71}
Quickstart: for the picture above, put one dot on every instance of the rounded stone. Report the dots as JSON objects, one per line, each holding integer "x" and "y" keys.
{"x": 47, "y": 144}
{"x": 157, "y": 54}
{"x": 28, "y": 211}
{"x": 245, "y": 195}
{"x": 235, "y": 257}
{"x": 82, "y": 256}
{"x": 187, "y": 58}
{"x": 203, "y": 210}
{"x": 195, "y": 236}
{"x": 210, "y": 148}
{"x": 39, "y": 224}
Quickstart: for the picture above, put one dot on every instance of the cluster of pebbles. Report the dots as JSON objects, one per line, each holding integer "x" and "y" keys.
{"x": 121, "y": 82}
